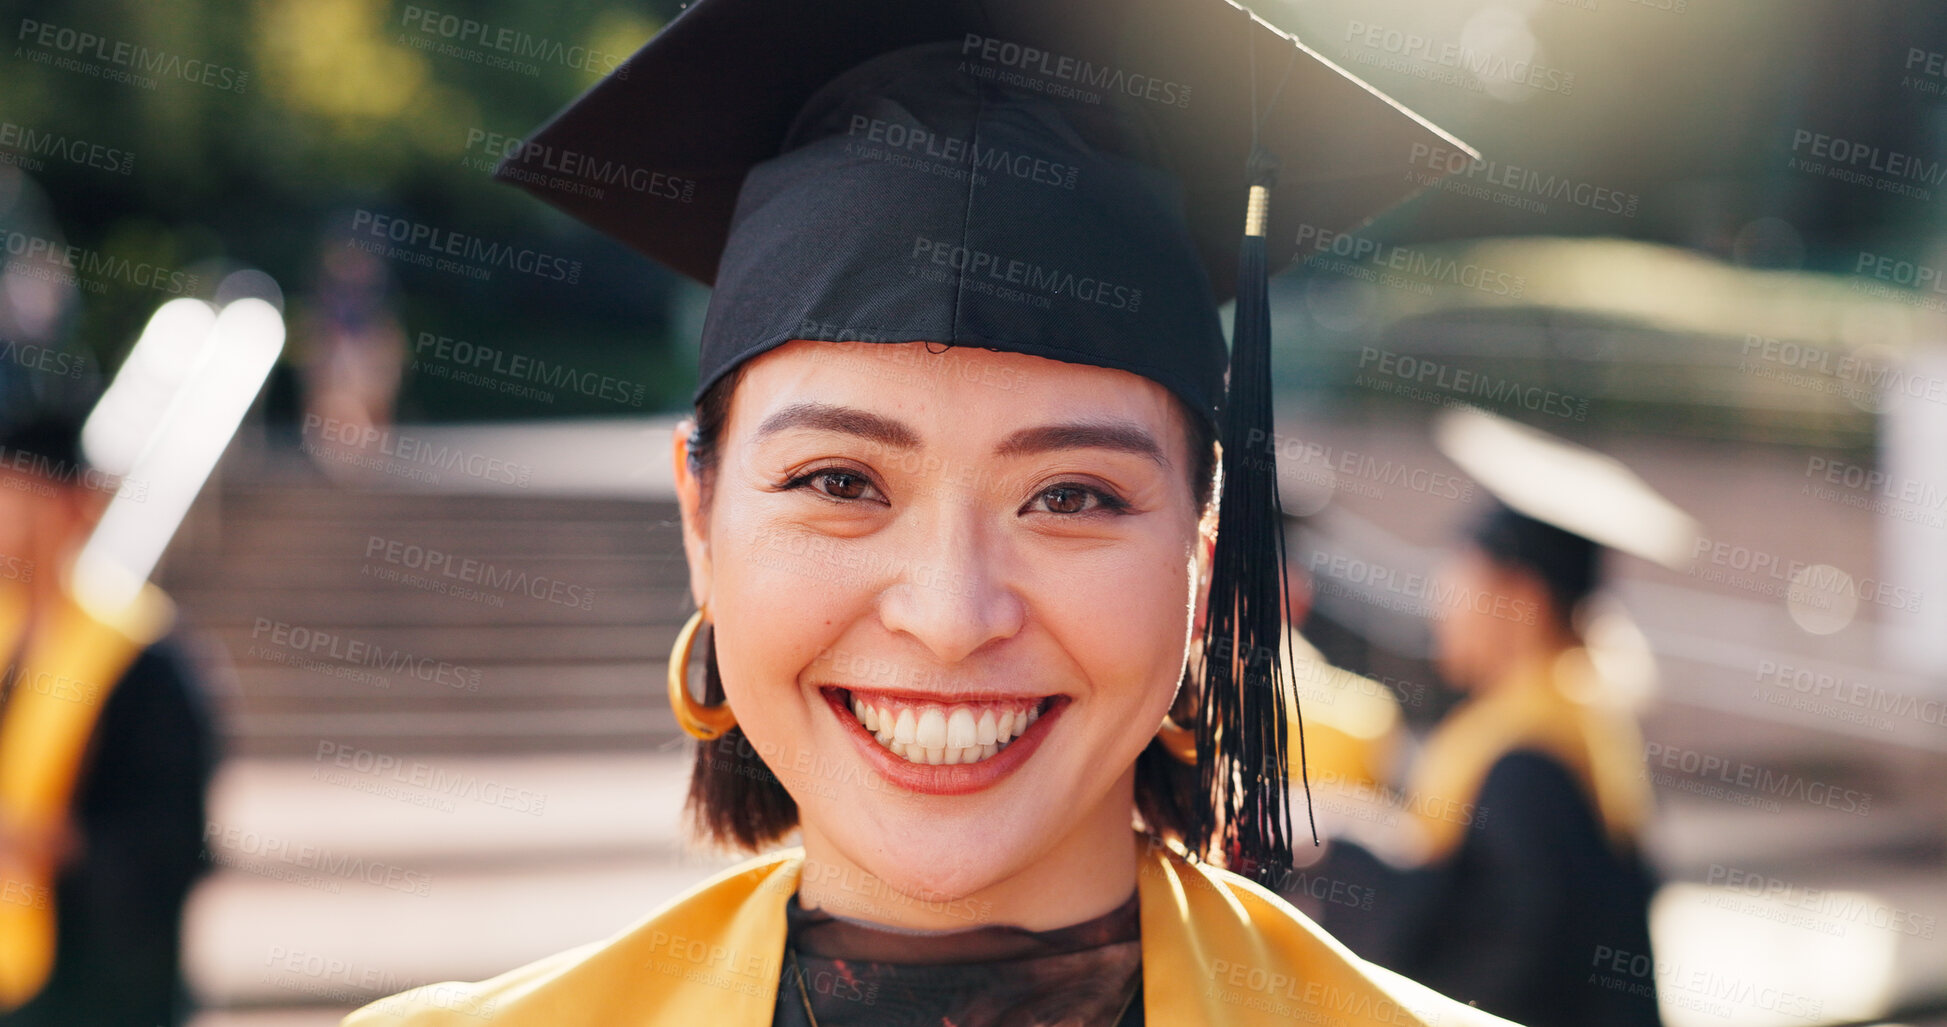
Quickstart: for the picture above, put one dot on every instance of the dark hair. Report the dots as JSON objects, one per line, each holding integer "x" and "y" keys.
{"x": 735, "y": 800}
{"x": 52, "y": 438}
{"x": 1568, "y": 566}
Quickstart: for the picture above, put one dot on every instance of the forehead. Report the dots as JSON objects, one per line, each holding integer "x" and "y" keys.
{"x": 956, "y": 389}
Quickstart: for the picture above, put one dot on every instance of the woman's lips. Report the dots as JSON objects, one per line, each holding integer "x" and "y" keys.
{"x": 927, "y": 744}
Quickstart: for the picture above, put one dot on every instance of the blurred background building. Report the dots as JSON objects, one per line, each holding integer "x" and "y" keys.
{"x": 1705, "y": 236}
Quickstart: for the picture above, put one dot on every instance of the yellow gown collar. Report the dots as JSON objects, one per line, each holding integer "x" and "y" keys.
{"x": 1218, "y": 951}
{"x": 1556, "y": 706}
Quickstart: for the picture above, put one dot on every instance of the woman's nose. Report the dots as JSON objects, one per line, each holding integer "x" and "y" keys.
{"x": 954, "y": 595}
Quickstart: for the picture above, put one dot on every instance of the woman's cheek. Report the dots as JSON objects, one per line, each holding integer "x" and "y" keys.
{"x": 783, "y": 561}
{"x": 1122, "y": 618}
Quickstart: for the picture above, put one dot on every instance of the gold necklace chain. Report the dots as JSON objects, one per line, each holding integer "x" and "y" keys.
{"x": 791, "y": 952}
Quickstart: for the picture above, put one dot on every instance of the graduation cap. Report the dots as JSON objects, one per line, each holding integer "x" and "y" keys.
{"x": 1559, "y": 504}
{"x": 1060, "y": 178}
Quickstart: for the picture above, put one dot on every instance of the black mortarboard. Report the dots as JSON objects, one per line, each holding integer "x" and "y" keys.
{"x": 1060, "y": 178}
{"x": 1558, "y": 505}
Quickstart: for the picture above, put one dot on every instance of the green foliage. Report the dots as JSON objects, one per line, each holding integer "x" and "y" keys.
{"x": 256, "y": 129}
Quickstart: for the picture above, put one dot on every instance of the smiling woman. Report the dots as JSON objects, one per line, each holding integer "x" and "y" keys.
{"x": 1016, "y": 568}
{"x": 951, "y": 514}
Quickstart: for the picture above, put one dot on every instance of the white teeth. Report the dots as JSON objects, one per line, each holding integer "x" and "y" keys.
{"x": 931, "y": 731}
{"x": 960, "y": 731}
{"x": 942, "y": 735}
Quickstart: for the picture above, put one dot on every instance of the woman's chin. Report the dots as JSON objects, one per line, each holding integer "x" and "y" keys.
{"x": 925, "y": 868}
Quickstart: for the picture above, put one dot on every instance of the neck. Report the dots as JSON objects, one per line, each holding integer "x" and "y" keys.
{"x": 1535, "y": 649}
{"x": 1088, "y": 871}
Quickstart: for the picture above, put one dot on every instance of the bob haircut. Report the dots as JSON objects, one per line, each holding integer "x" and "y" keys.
{"x": 735, "y": 801}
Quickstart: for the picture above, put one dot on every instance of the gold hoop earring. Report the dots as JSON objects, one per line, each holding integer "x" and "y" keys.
{"x": 704, "y": 723}
{"x": 1180, "y": 742}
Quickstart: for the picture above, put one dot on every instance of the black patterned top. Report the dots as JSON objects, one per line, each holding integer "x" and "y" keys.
{"x": 854, "y": 974}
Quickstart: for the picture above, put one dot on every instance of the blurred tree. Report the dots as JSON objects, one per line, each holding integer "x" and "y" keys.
{"x": 263, "y": 128}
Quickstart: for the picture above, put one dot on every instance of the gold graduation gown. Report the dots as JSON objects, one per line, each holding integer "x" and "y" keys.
{"x": 68, "y": 669}
{"x": 1217, "y": 950}
{"x": 1557, "y": 706}
{"x": 1353, "y": 727}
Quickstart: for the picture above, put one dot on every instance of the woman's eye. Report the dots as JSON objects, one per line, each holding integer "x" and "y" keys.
{"x": 1073, "y": 499}
{"x": 843, "y": 484}
{"x": 836, "y": 483}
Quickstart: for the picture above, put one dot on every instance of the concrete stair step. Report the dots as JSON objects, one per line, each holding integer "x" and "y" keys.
{"x": 575, "y": 604}
{"x": 377, "y": 892}
{"x": 551, "y": 681}
{"x": 464, "y": 732}
{"x": 358, "y": 643}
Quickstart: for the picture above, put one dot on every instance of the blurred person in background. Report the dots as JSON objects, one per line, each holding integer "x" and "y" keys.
{"x": 107, "y": 749}
{"x": 1528, "y": 801}
{"x": 948, "y": 506}
{"x": 353, "y": 347}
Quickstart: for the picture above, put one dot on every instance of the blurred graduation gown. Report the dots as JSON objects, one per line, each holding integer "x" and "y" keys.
{"x": 1216, "y": 950}
{"x": 1353, "y": 727}
{"x": 1529, "y": 796}
{"x": 105, "y": 736}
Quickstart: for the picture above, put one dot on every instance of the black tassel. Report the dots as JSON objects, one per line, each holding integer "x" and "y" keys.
{"x": 1241, "y": 733}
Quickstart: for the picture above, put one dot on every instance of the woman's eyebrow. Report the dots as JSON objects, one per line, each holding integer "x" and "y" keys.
{"x": 1124, "y": 436}
{"x": 848, "y": 420}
